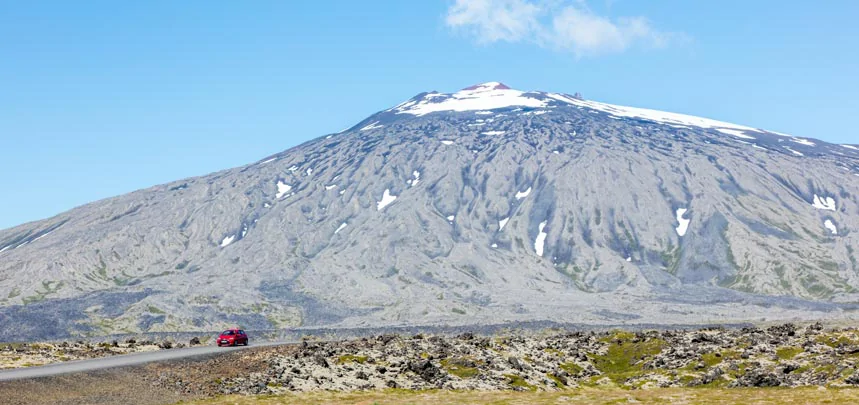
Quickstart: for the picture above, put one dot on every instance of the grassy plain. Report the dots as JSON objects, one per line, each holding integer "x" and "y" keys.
{"x": 704, "y": 396}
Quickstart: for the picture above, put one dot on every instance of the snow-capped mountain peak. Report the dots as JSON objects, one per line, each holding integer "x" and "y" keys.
{"x": 488, "y": 86}
{"x": 490, "y": 99}
{"x": 480, "y": 97}
{"x": 512, "y": 205}
{"x": 497, "y": 95}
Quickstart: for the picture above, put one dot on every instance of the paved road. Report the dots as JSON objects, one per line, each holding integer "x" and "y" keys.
{"x": 117, "y": 361}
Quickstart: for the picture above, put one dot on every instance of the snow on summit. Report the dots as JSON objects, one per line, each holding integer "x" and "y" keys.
{"x": 486, "y": 96}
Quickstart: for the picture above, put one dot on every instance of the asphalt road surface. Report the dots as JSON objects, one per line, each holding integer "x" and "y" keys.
{"x": 117, "y": 361}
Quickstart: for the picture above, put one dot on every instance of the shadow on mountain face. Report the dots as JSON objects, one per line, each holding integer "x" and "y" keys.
{"x": 61, "y": 318}
{"x": 313, "y": 311}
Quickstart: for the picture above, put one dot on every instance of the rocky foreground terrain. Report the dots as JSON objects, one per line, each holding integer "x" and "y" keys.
{"x": 784, "y": 355}
{"x": 16, "y": 355}
{"x": 549, "y": 366}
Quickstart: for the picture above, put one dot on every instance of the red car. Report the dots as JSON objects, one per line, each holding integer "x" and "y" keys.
{"x": 232, "y": 337}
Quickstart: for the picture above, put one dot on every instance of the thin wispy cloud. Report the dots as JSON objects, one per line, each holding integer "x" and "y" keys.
{"x": 569, "y": 26}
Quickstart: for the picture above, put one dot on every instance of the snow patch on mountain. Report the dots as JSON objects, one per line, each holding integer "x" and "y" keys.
{"x": 282, "y": 189}
{"x": 683, "y": 222}
{"x": 653, "y": 115}
{"x": 823, "y": 203}
{"x": 734, "y": 132}
{"x": 502, "y": 222}
{"x": 387, "y": 198}
{"x": 541, "y": 239}
{"x": 522, "y": 194}
{"x": 227, "y": 240}
{"x": 340, "y": 228}
{"x": 794, "y": 152}
{"x": 801, "y": 141}
{"x": 374, "y": 125}
{"x": 417, "y": 178}
{"x": 831, "y": 226}
{"x": 850, "y": 147}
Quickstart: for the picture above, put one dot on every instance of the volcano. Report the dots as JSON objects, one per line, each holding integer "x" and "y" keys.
{"x": 486, "y": 205}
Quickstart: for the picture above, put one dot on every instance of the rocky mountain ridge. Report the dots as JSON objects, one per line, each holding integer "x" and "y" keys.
{"x": 482, "y": 206}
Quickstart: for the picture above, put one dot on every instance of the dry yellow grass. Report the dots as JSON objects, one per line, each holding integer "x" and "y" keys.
{"x": 705, "y": 396}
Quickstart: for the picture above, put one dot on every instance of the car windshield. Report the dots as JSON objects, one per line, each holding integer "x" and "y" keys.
{"x": 227, "y": 333}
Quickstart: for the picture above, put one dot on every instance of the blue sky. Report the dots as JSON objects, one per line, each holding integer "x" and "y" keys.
{"x": 100, "y": 98}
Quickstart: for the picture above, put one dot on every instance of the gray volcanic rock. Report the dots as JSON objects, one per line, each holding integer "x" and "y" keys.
{"x": 485, "y": 205}
{"x": 782, "y": 355}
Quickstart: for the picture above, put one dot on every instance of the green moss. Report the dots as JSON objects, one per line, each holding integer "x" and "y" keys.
{"x": 625, "y": 357}
{"x": 838, "y": 340}
{"x": 102, "y": 268}
{"x": 155, "y": 310}
{"x": 788, "y": 353}
{"x": 516, "y": 381}
{"x": 571, "y": 368}
{"x": 458, "y": 311}
{"x": 819, "y": 291}
{"x": 618, "y": 335}
{"x": 827, "y": 369}
{"x": 687, "y": 379}
{"x": 32, "y": 299}
{"x": 710, "y": 359}
{"x": 671, "y": 258}
{"x": 556, "y": 380}
{"x": 732, "y": 354}
{"x": 349, "y": 358}
{"x": 556, "y": 352}
{"x": 801, "y": 369}
{"x": 459, "y": 368}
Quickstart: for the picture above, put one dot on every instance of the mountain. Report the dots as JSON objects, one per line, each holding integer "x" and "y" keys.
{"x": 482, "y": 206}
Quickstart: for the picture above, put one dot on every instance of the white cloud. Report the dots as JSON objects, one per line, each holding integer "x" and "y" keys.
{"x": 495, "y": 20}
{"x": 557, "y": 24}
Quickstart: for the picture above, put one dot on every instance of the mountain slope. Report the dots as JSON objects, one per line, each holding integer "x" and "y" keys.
{"x": 485, "y": 205}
